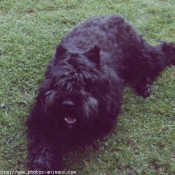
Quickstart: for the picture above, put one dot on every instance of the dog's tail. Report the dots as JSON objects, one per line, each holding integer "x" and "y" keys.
{"x": 164, "y": 54}
{"x": 159, "y": 58}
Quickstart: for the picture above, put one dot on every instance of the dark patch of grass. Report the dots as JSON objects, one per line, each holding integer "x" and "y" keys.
{"x": 143, "y": 141}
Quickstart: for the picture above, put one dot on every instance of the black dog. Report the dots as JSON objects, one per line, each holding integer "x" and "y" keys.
{"x": 80, "y": 98}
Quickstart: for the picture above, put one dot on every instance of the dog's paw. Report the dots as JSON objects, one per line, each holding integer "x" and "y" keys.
{"x": 146, "y": 91}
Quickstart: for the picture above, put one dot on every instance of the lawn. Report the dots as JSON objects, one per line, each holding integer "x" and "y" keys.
{"x": 143, "y": 141}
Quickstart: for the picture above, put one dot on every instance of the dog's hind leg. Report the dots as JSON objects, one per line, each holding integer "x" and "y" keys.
{"x": 144, "y": 63}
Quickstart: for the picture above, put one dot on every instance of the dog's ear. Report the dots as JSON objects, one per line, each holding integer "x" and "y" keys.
{"x": 60, "y": 50}
{"x": 93, "y": 54}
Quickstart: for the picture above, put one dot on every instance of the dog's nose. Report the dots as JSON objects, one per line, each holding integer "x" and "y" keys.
{"x": 68, "y": 105}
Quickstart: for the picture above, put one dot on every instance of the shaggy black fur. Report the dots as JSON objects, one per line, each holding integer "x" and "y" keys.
{"x": 80, "y": 98}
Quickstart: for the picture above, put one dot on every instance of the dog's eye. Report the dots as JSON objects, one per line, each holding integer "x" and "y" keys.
{"x": 69, "y": 77}
{"x": 88, "y": 83}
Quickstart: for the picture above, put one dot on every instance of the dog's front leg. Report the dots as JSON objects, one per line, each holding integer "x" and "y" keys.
{"x": 43, "y": 155}
{"x": 43, "y": 151}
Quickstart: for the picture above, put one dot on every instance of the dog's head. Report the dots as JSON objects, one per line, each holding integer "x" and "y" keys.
{"x": 76, "y": 88}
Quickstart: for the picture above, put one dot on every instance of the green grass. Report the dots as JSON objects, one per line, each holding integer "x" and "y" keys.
{"x": 143, "y": 142}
